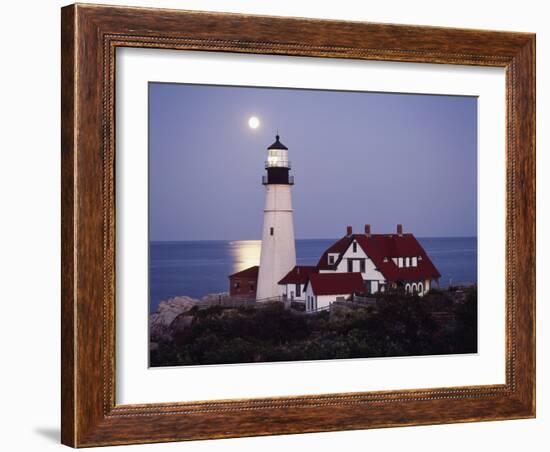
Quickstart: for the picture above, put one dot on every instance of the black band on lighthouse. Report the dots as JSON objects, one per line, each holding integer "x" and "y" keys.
{"x": 278, "y": 175}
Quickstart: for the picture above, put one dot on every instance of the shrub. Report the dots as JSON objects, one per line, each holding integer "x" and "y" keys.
{"x": 399, "y": 326}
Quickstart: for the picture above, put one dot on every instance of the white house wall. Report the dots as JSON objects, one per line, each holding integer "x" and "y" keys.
{"x": 357, "y": 255}
{"x": 287, "y": 289}
{"x": 308, "y": 293}
{"x": 370, "y": 273}
{"x": 322, "y": 301}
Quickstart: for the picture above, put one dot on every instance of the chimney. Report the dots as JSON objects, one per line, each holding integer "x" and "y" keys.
{"x": 399, "y": 230}
{"x": 349, "y": 230}
{"x": 367, "y": 230}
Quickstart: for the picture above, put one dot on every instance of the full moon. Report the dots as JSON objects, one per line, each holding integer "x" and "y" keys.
{"x": 253, "y": 122}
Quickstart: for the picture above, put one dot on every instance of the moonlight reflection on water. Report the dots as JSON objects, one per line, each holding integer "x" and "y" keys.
{"x": 245, "y": 253}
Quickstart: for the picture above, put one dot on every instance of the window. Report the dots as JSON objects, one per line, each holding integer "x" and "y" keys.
{"x": 407, "y": 262}
{"x": 298, "y": 290}
{"x": 237, "y": 285}
{"x": 420, "y": 288}
{"x": 251, "y": 287}
{"x": 350, "y": 265}
{"x": 400, "y": 262}
{"x": 331, "y": 259}
{"x": 414, "y": 261}
{"x": 271, "y": 231}
{"x": 354, "y": 247}
{"x": 362, "y": 265}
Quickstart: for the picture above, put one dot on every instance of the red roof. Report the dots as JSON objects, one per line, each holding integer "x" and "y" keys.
{"x": 381, "y": 248}
{"x": 298, "y": 275}
{"x": 337, "y": 247}
{"x": 336, "y": 283}
{"x": 250, "y": 272}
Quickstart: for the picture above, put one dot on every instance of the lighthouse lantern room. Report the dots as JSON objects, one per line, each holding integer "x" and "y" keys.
{"x": 278, "y": 253}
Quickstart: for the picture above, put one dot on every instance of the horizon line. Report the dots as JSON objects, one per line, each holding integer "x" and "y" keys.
{"x": 317, "y": 238}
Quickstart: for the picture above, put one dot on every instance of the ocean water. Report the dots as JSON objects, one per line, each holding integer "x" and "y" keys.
{"x": 202, "y": 267}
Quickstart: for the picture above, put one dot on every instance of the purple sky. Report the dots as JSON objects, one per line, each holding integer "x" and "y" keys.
{"x": 356, "y": 157}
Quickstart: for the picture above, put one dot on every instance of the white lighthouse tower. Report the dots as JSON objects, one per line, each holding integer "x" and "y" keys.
{"x": 278, "y": 255}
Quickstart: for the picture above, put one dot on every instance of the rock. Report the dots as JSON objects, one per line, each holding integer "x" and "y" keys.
{"x": 171, "y": 317}
{"x": 167, "y": 311}
{"x": 181, "y": 324}
{"x": 215, "y": 297}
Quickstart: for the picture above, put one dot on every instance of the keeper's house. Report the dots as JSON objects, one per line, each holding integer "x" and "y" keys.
{"x": 385, "y": 261}
{"x": 382, "y": 261}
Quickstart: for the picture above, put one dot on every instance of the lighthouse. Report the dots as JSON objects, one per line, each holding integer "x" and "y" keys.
{"x": 278, "y": 253}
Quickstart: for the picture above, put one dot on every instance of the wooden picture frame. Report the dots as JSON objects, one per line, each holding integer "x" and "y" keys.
{"x": 90, "y": 36}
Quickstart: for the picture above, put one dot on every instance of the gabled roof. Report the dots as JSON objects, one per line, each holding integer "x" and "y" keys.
{"x": 250, "y": 272}
{"x": 338, "y": 247}
{"x": 381, "y": 248}
{"x": 299, "y": 274}
{"x": 277, "y": 144}
{"x": 336, "y": 283}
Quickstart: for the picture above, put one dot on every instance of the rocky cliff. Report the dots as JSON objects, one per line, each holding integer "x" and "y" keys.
{"x": 161, "y": 321}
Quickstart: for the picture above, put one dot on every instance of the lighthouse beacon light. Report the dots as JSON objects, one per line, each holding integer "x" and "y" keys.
{"x": 278, "y": 253}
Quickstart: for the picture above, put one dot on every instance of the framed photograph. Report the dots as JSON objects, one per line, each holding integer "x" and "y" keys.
{"x": 281, "y": 225}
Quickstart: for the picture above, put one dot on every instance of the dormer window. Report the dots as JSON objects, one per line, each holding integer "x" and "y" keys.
{"x": 331, "y": 259}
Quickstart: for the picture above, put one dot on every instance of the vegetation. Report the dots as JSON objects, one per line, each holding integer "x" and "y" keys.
{"x": 442, "y": 322}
